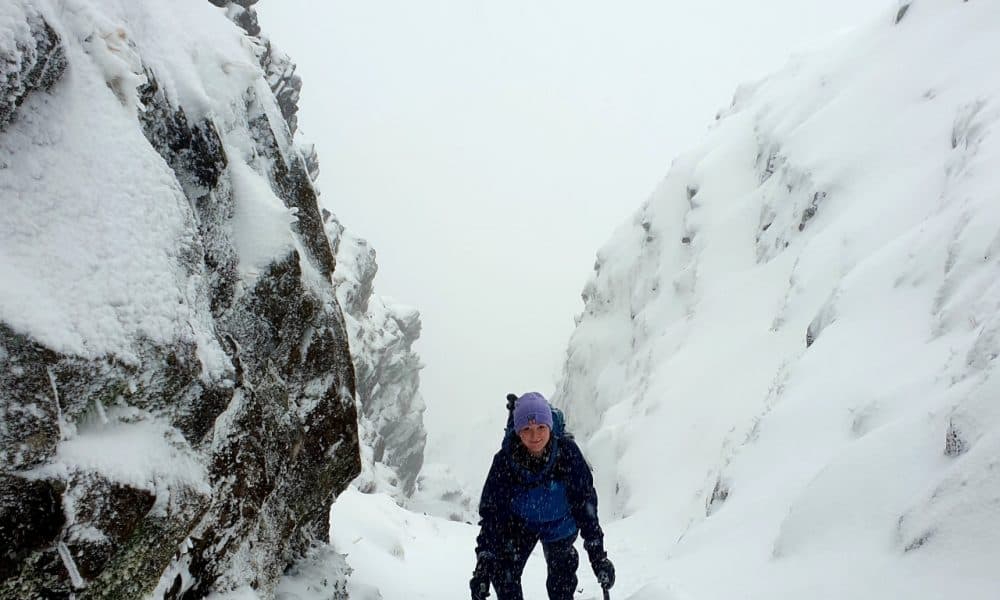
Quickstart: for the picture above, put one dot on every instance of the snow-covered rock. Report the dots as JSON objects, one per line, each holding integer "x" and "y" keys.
{"x": 178, "y": 397}
{"x": 786, "y": 366}
{"x": 382, "y": 334}
{"x": 34, "y": 57}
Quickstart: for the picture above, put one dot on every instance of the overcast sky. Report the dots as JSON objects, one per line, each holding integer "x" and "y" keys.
{"x": 487, "y": 149}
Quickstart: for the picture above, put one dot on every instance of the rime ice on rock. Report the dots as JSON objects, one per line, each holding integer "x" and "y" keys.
{"x": 382, "y": 333}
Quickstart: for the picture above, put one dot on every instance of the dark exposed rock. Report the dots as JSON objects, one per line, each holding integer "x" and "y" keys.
{"x": 969, "y": 127}
{"x": 196, "y": 156}
{"x": 194, "y": 152}
{"x": 720, "y": 493}
{"x": 826, "y": 315}
{"x": 31, "y": 518}
{"x": 954, "y": 443}
{"x": 114, "y": 510}
{"x": 31, "y": 416}
{"x": 917, "y": 542}
{"x": 901, "y": 13}
{"x": 109, "y": 532}
{"x": 239, "y": 12}
{"x": 312, "y": 165}
{"x": 792, "y": 185}
{"x": 810, "y": 211}
{"x": 293, "y": 185}
{"x": 279, "y": 70}
{"x": 773, "y": 162}
{"x": 39, "y": 61}
{"x": 276, "y": 469}
{"x": 245, "y": 18}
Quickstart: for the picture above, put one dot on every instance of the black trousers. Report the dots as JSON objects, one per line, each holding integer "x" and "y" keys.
{"x": 560, "y": 557}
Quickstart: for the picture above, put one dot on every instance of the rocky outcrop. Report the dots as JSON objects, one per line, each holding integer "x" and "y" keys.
{"x": 239, "y": 12}
{"x": 285, "y": 83}
{"x": 200, "y": 453}
{"x": 382, "y": 335}
{"x": 32, "y": 58}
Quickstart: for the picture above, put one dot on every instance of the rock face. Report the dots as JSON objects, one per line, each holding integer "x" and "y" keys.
{"x": 35, "y": 62}
{"x": 382, "y": 334}
{"x": 178, "y": 396}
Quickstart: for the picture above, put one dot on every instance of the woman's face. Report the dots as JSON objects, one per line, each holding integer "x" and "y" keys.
{"x": 534, "y": 437}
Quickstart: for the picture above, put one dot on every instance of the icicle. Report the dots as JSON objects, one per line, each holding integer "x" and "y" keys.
{"x": 101, "y": 413}
{"x": 74, "y": 573}
{"x": 59, "y": 414}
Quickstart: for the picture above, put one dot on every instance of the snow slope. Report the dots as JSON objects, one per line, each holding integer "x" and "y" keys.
{"x": 785, "y": 371}
{"x": 786, "y": 362}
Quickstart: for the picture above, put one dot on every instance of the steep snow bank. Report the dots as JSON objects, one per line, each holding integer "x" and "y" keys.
{"x": 786, "y": 363}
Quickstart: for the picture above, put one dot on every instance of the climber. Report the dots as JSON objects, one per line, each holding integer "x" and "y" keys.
{"x": 539, "y": 488}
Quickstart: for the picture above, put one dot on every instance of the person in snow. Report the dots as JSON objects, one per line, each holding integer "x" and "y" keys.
{"x": 539, "y": 488}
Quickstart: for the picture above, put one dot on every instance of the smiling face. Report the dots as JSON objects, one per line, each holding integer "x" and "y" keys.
{"x": 535, "y": 437}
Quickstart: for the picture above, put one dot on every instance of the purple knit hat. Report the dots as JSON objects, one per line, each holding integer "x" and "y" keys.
{"x": 532, "y": 407}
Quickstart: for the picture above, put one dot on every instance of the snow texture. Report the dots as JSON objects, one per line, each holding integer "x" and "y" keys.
{"x": 91, "y": 257}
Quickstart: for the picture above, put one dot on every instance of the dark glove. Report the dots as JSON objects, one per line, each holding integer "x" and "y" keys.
{"x": 479, "y": 585}
{"x": 599, "y": 562}
{"x": 604, "y": 571}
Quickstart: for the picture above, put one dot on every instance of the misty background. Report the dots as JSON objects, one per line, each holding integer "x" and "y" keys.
{"x": 488, "y": 149}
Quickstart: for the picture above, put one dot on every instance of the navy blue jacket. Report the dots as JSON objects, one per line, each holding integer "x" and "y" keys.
{"x": 552, "y": 496}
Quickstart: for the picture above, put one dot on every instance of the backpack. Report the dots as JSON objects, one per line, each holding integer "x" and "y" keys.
{"x": 558, "y": 423}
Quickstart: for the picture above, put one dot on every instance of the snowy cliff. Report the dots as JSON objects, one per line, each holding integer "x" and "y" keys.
{"x": 177, "y": 397}
{"x": 786, "y": 366}
{"x": 382, "y": 333}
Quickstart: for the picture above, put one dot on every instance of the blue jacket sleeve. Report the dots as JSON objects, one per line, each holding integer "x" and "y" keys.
{"x": 582, "y": 496}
